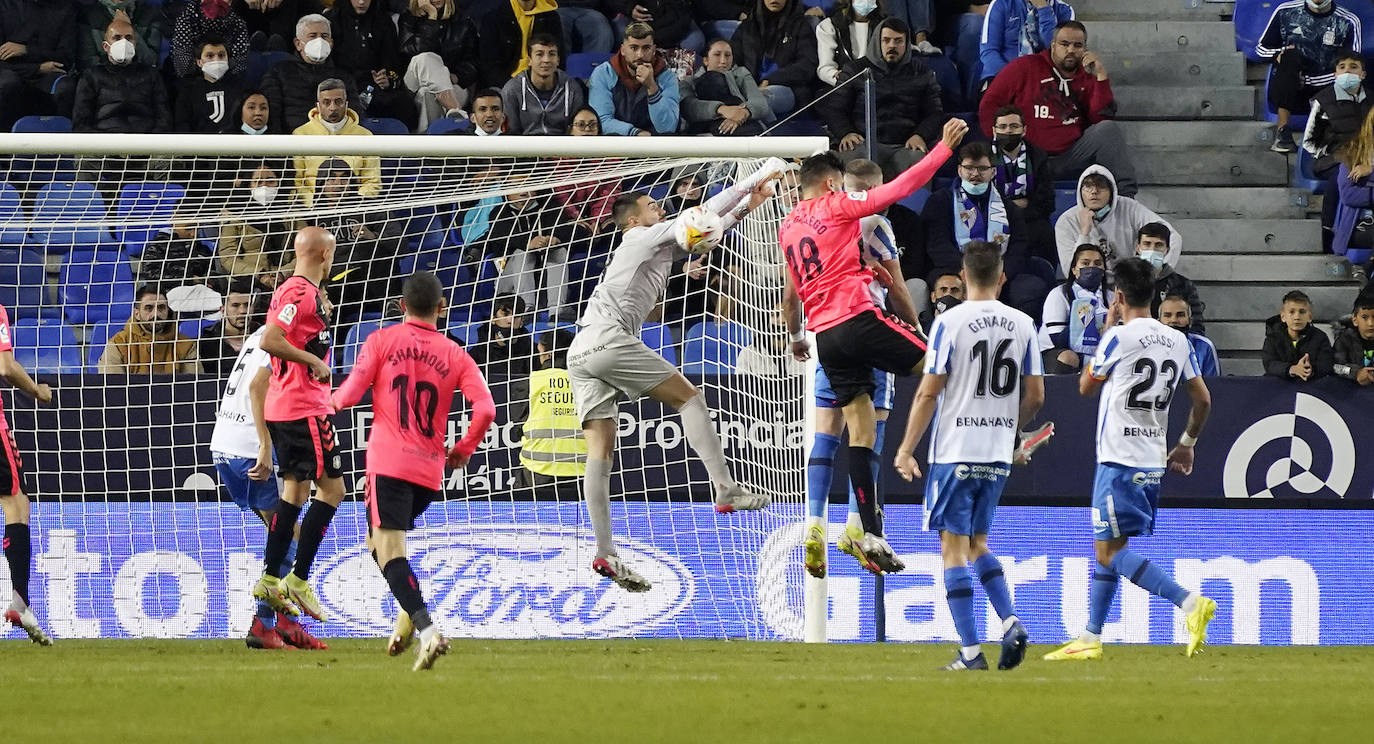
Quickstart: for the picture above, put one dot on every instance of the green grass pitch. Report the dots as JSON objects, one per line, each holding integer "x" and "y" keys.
{"x": 674, "y": 691}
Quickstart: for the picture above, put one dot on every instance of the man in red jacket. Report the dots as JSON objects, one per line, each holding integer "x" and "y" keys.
{"x": 1065, "y": 93}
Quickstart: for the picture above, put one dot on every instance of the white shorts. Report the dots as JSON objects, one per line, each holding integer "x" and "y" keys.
{"x": 604, "y": 362}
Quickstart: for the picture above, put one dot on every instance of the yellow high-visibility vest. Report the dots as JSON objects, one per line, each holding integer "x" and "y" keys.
{"x": 552, "y": 444}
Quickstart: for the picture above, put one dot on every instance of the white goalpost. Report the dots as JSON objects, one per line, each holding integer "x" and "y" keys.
{"x": 133, "y": 537}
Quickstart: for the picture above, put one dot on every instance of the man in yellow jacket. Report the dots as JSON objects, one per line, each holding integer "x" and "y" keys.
{"x": 150, "y": 342}
{"x": 332, "y": 116}
{"x": 552, "y": 447}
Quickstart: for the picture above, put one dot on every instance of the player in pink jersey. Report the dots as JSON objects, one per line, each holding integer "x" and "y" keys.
{"x": 17, "y": 544}
{"x": 413, "y": 371}
{"x": 828, "y": 276}
{"x": 298, "y": 419}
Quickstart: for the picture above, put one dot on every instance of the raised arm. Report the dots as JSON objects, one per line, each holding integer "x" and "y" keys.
{"x": 474, "y": 388}
{"x": 875, "y": 200}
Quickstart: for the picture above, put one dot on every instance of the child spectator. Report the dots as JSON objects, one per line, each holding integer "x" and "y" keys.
{"x": 1294, "y": 349}
{"x": 1303, "y": 39}
{"x": 203, "y": 101}
{"x": 1338, "y": 110}
{"x": 1354, "y": 352}
{"x": 1175, "y": 313}
{"x": 1152, "y": 244}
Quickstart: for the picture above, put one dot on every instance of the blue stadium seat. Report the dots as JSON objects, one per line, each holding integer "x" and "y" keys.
{"x": 32, "y": 169}
{"x": 1250, "y": 18}
{"x": 581, "y": 64}
{"x": 192, "y": 328}
{"x": 353, "y": 342}
{"x": 447, "y": 125}
{"x": 917, "y": 201}
{"x": 46, "y": 346}
{"x": 49, "y": 124}
{"x": 947, "y": 75}
{"x": 150, "y": 206}
{"x": 69, "y": 201}
{"x": 384, "y": 125}
{"x": 1064, "y": 200}
{"x": 464, "y": 333}
{"x": 13, "y": 221}
{"x": 99, "y": 334}
{"x": 258, "y": 65}
{"x": 23, "y": 283}
{"x": 711, "y": 348}
{"x": 1303, "y": 175}
{"x": 657, "y": 337}
{"x": 96, "y": 286}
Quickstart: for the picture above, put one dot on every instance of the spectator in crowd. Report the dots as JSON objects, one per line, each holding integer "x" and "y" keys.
{"x": 671, "y": 19}
{"x": 1066, "y": 90}
{"x": 332, "y": 116}
{"x": 506, "y": 28}
{"x": 1152, "y": 244}
{"x": 767, "y": 353}
{"x": 144, "y": 15}
{"x": 908, "y": 110}
{"x": 1354, "y": 348}
{"x": 203, "y": 101}
{"x": 551, "y": 445}
{"x": 441, "y": 43}
{"x": 368, "y": 52}
{"x": 121, "y": 95}
{"x": 1024, "y": 179}
{"x": 542, "y": 99}
{"x": 220, "y": 343}
{"x": 585, "y": 207}
{"x": 150, "y": 342}
{"x": 503, "y": 344}
{"x": 1303, "y": 39}
{"x": 205, "y": 18}
{"x": 689, "y": 189}
{"x": 271, "y": 24}
{"x": 1353, "y": 237}
{"x": 253, "y": 113}
{"x": 1075, "y": 313}
{"x": 586, "y": 27}
{"x": 488, "y": 114}
{"x": 523, "y": 231}
{"x": 254, "y": 243}
{"x": 176, "y": 256}
{"x": 718, "y": 19}
{"x": 722, "y": 97}
{"x": 842, "y": 38}
{"x": 1016, "y": 28}
{"x": 947, "y": 291}
{"x": 777, "y": 44}
{"x": 1108, "y": 220}
{"x": 1294, "y": 348}
{"x": 37, "y": 59}
{"x": 585, "y": 123}
{"x": 364, "y": 253}
{"x": 919, "y": 16}
{"x": 291, "y": 85}
{"x": 1174, "y": 312}
{"x": 695, "y": 292}
{"x": 970, "y": 209}
{"x": 1338, "y": 111}
{"x": 635, "y": 92}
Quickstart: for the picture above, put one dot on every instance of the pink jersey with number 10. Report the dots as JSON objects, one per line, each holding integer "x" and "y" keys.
{"x": 821, "y": 242}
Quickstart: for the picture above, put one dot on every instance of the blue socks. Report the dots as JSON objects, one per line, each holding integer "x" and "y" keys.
{"x": 994, "y": 584}
{"x": 265, "y": 613}
{"x": 1140, "y": 571}
{"x": 820, "y": 472}
{"x": 959, "y": 593}
{"x": 1100, "y": 598}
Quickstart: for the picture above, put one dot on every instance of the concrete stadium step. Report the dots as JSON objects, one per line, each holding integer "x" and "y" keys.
{"x": 1211, "y": 166}
{"x": 1117, "y": 37}
{"x": 1256, "y": 301}
{"x": 1288, "y": 237}
{"x": 1266, "y": 268}
{"x": 1153, "y": 10}
{"x": 1257, "y": 135}
{"x": 1236, "y": 335}
{"x": 1186, "y": 102}
{"x": 1190, "y": 68}
{"x": 1211, "y": 203}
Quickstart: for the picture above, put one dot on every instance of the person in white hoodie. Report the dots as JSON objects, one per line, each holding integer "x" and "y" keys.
{"x": 1108, "y": 220}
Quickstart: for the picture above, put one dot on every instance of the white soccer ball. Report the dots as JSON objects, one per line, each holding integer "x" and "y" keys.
{"x": 699, "y": 230}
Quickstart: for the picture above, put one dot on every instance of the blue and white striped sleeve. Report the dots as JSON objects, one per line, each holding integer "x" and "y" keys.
{"x": 1031, "y": 363}
{"x": 940, "y": 350}
{"x": 880, "y": 242}
{"x": 1108, "y": 354}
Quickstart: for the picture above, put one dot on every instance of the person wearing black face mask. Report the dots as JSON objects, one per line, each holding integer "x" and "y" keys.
{"x": 1075, "y": 313}
{"x": 1024, "y": 179}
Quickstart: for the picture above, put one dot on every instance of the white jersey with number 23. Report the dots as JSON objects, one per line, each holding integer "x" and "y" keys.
{"x": 1143, "y": 363}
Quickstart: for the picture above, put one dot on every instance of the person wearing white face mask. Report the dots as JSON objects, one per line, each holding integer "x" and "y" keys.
{"x": 121, "y": 96}
{"x": 332, "y": 116}
{"x": 1303, "y": 40}
{"x": 203, "y": 103}
{"x": 1338, "y": 110}
{"x": 842, "y": 38}
{"x": 251, "y": 244}
{"x": 1152, "y": 244}
{"x": 291, "y": 84}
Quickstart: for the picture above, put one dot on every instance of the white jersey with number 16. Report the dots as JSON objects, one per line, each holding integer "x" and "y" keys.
{"x": 984, "y": 347}
{"x": 1142, "y": 362}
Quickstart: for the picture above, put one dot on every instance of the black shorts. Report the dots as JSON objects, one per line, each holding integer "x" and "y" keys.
{"x": 850, "y": 351}
{"x": 307, "y": 449}
{"x": 394, "y": 504}
{"x": 11, "y": 466}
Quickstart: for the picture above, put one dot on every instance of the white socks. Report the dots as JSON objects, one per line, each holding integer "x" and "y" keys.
{"x": 970, "y": 652}
{"x": 1006, "y": 624}
{"x": 1190, "y": 602}
{"x": 696, "y": 424}
{"x": 596, "y": 490}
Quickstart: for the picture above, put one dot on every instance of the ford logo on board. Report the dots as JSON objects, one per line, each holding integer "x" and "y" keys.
{"x": 508, "y": 581}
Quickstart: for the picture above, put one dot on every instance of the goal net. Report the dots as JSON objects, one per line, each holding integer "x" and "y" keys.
{"x": 132, "y": 266}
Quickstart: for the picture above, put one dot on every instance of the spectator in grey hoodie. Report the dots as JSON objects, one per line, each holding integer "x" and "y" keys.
{"x": 722, "y": 97}
{"x": 542, "y": 99}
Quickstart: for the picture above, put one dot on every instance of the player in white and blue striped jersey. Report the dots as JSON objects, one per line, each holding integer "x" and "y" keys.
{"x": 1138, "y": 367}
{"x": 982, "y": 383}
{"x": 877, "y": 248}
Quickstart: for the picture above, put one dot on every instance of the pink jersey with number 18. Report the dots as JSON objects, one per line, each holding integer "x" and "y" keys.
{"x": 821, "y": 241}
{"x": 413, "y": 371}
